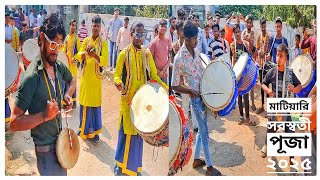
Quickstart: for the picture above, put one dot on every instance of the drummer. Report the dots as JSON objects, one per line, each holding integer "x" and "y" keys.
{"x": 188, "y": 60}
{"x": 26, "y": 33}
{"x": 262, "y": 49}
{"x": 40, "y": 94}
{"x": 294, "y": 86}
{"x": 248, "y": 35}
{"x": 237, "y": 48}
{"x": 93, "y": 49}
{"x": 129, "y": 76}
{"x": 71, "y": 47}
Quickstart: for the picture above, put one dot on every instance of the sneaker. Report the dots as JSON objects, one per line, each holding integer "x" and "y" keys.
{"x": 117, "y": 170}
{"x": 96, "y": 139}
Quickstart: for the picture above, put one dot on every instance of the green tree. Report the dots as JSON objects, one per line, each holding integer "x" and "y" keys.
{"x": 294, "y": 15}
{"x": 152, "y": 11}
{"x": 127, "y": 10}
{"x": 255, "y": 10}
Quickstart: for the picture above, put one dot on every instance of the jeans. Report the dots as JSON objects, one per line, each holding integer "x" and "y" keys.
{"x": 48, "y": 164}
{"x": 246, "y": 104}
{"x": 112, "y": 54}
{"x": 202, "y": 138}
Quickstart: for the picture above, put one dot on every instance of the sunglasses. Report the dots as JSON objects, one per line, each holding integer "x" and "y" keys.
{"x": 140, "y": 36}
{"x": 52, "y": 45}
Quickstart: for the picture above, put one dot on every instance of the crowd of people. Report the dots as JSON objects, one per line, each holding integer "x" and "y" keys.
{"x": 172, "y": 58}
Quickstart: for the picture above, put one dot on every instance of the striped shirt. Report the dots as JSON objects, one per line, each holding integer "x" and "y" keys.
{"x": 215, "y": 48}
{"x": 82, "y": 33}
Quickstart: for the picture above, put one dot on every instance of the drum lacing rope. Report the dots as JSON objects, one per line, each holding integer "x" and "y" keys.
{"x": 49, "y": 91}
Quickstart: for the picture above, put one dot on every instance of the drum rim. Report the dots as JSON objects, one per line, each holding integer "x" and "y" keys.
{"x": 23, "y": 47}
{"x": 180, "y": 138}
{"x": 230, "y": 98}
{"x": 13, "y": 82}
{"x": 244, "y": 67}
{"x": 57, "y": 145}
{"x": 312, "y": 70}
{"x": 146, "y": 134}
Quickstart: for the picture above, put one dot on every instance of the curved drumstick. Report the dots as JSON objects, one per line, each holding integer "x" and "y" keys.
{"x": 66, "y": 113}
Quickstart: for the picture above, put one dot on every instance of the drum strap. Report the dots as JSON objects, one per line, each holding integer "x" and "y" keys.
{"x": 49, "y": 91}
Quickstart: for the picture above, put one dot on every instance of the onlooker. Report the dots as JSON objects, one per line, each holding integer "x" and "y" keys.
{"x": 123, "y": 39}
{"x": 112, "y": 31}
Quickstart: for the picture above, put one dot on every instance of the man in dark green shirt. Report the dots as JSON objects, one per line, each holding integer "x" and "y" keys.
{"x": 40, "y": 93}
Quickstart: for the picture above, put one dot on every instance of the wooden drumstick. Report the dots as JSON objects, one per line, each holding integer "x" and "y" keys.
{"x": 70, "y": 140}
{"x": 213, "y": 93}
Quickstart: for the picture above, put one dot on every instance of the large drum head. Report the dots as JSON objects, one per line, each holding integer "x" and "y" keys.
{"x": 303, "y": 69}
{"x": 67, "y": 157}
{"x": 240, "y": 65}
{"x": 217, "y": 78}
{"x": 30, "y": 49}
{"x": 225, "y": 57}
{"x": 175, "y": 129}
{"x": 11, "y": 67}
{"x": 150, "y": 108}
{"x": 63, "y": 58}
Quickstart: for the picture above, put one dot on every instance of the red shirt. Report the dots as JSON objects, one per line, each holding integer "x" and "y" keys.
{"x": 312, "y": 43}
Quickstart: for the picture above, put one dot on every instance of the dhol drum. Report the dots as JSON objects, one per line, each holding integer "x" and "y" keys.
{"x": 219, "y": 88}
{"x": 149, "y": 113}
{"x": 17, "y": 82}
{"x": 180, "y": 138}
{"x": 305, "y": 72}
{"x": 246, "y": 72}
{"x": 63, "y": 58}
{"x": 11, "y": 69}
{"x": 67, "y": 147}
{"x": 30, "y": 50}
{"x": 226, "y": 58}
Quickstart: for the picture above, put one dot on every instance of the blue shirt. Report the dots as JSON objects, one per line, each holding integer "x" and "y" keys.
{"x": 8, "y": 32}
{"x": 113, "y": 28}
{"x": 202, "y": 42}
{"x": 273, "y": 47}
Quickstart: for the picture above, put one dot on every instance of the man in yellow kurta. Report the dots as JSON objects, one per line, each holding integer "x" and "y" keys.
{"x": 130, "y": 75}
{"x": 94, "y": 52}
{"x": 15, "y": 36}
{"x": 71, "y": 47}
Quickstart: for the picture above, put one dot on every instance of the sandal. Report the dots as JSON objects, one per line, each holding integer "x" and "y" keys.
{"x": 215, "y": 172}
{"x": 201, "y": 162}
{"x": 250, "y": 123}
{"x": 240, "y": 120}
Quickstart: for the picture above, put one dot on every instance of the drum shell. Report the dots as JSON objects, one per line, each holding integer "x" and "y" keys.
{"x": 66, "y": 155}
{"x": 159, "y": 136}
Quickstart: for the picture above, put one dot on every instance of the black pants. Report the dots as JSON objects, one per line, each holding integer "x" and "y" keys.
{"x": 262, "y": 92}
{"x": 246, "y": 104}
